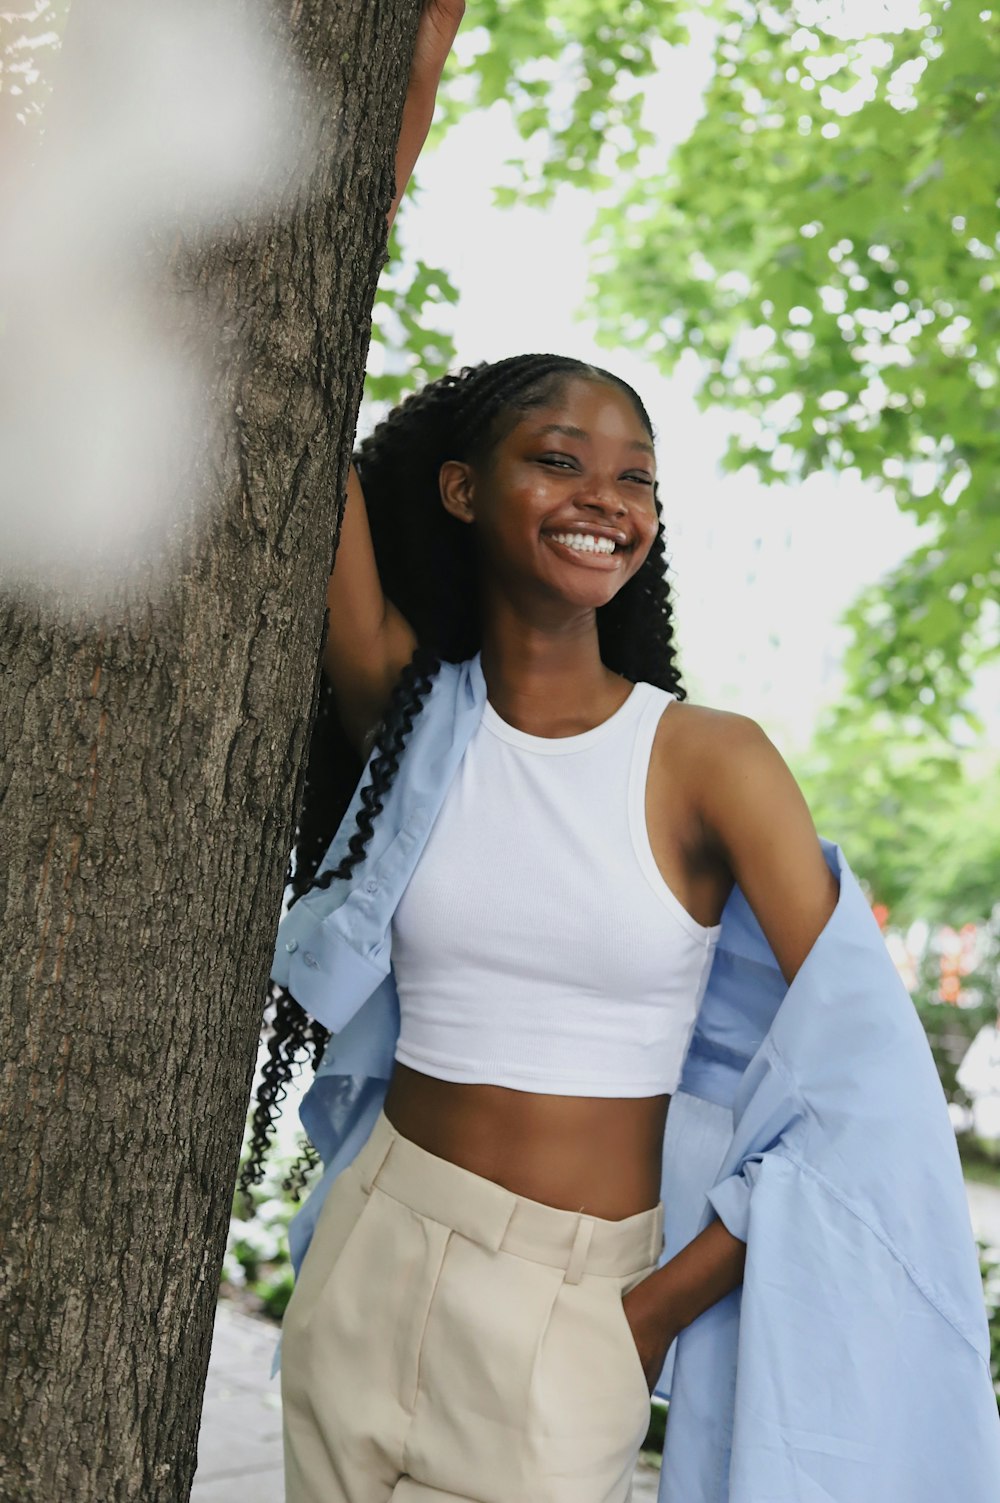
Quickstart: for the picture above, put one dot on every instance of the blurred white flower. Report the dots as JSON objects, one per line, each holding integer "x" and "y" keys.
{"x": 165, "y": 123}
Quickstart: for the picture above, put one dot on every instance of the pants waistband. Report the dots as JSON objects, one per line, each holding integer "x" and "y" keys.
{"x": 498, "y": 1219}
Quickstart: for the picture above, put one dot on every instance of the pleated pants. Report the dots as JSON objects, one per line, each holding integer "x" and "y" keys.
{"x": 449, "y": 1340}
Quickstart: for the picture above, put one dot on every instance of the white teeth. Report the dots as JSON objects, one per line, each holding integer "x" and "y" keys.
{"x": 585, "y": 542}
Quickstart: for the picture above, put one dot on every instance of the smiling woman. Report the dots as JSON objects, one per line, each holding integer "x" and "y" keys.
{"x": 554, "y": 942}
{"x": 521, "y": 903}
{"x": 541, "y": 1064}
{"x": 571, "y": 484}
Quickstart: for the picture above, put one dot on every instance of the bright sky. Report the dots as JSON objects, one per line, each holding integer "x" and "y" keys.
{"x": 760, "y": 574}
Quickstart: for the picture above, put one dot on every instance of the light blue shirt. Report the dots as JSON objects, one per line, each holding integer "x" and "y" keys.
{"x": 852, "y": 1364}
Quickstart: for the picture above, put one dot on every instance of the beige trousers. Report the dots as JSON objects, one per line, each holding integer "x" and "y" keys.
{"x": 448, "y": 1340}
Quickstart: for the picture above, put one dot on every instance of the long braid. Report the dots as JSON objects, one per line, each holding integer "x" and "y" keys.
{"x": 406, "y": 703}
{"x": 427, "y": 567}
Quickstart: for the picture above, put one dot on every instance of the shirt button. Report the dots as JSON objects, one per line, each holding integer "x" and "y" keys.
{"x": 371, "y": 885}
{"x": 292, "y": 946}
{"x": 311, "y": 961}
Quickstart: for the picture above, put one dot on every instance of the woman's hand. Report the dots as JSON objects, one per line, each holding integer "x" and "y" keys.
{"x": 673, "y": 1295}
{"x": 653, "y": 1329}
{"x": 436, "y": 32}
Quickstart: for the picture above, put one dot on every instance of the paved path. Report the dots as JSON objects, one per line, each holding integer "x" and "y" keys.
{"x": 239, "y": 1448}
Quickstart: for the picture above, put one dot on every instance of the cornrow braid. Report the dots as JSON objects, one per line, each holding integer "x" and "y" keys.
{"x": 428, "y": 569}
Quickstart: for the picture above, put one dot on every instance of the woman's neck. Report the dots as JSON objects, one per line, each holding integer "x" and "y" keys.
{"x": 550, "y": 685}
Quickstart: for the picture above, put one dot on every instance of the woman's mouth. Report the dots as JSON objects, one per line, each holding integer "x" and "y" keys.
{"x": 587, "y": 548}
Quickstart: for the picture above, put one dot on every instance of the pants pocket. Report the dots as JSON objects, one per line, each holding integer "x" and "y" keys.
{"x": 631, "y": 1361}
{"x": 589, "y": 1404}
{"x": 588, "y": 1378}
{"x": 336, "y": 1225}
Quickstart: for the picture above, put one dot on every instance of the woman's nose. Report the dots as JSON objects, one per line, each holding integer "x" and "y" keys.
{"x": 609, "y": 502}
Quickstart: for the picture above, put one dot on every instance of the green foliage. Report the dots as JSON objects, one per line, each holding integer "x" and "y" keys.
{"x": 879, "y": 793}
{"x": 571, "y": 71}
{"x": 980, "y": 1159}
{"x": 256, "y": 1264}
{"x": 826, "y": 241}
{"x": 989, "y": 1265}
{"x": 406, "y": 323}
{"x": 916, "y": 821}
{"x": 960, "y": 878}
{"x": 950, "y": 1029}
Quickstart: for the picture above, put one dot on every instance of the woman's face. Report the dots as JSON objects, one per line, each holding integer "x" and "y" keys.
{"x": 576, "y": 470}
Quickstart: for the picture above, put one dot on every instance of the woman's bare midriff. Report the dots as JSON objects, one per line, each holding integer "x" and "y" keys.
{"x": 597, "y": 1154}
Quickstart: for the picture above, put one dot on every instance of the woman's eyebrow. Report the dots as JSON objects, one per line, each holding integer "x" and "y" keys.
{"x": 572, "y": 432}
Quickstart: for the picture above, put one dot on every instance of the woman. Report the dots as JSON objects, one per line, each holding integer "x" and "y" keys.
{"x": 481, "y": 1314}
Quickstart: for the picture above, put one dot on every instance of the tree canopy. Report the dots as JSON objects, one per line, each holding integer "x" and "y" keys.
{"x": 826, "y": 240}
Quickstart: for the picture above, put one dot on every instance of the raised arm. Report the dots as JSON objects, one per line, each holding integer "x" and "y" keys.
{"x": 436, "y": 33}
{"x": 368, "y": 641}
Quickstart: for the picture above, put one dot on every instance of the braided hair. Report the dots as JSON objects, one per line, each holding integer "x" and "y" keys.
{"x": 427, "y": 568}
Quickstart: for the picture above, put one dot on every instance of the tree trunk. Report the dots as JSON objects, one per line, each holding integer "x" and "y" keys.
{"x": 151, "y": 772}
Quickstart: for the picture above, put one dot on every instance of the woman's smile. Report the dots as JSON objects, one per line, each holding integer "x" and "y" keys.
{"x": 589, "y": 556}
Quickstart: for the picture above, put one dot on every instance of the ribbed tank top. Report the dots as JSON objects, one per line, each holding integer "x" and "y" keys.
{"x": 536, "y": 944}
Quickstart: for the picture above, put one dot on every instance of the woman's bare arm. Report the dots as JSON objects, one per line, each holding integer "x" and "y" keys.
{"x": 755, "y": 811}
{"x": 368, "y": 641}
{"x": 436, "y": 33}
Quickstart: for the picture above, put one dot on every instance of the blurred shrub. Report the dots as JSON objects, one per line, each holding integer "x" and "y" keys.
{"x": 989, "y": 1264}
{"x": 256, "y": 1268}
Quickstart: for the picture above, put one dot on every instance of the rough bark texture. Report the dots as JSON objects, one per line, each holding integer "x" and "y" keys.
{"x": 151, "y": 769}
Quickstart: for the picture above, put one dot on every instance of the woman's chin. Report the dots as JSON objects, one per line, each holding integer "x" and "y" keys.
{"x": 588, "y": 594}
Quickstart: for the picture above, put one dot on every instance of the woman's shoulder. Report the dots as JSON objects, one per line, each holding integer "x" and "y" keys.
{"x": 721, "y": 754}
{"x": 707, "y": 754}
{"x": 709, "y": 732}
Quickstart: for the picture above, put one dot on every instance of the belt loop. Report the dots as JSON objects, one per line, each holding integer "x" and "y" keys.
{"x": 499, "y": 1233}
{"x": 657, "y": 1231}
{"x": 581, "y": 1247}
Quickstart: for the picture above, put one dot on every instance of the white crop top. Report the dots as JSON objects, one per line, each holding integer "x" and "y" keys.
{"x": 536, "y": 944}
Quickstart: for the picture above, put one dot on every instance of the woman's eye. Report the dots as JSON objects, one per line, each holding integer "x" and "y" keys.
{"x": 565, "y": 462}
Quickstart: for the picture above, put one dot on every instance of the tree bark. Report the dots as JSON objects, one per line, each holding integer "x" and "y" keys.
{"x": 151, "y": 772}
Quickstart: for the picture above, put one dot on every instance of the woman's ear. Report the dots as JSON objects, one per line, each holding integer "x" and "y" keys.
{"x": 456, "y": 484}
